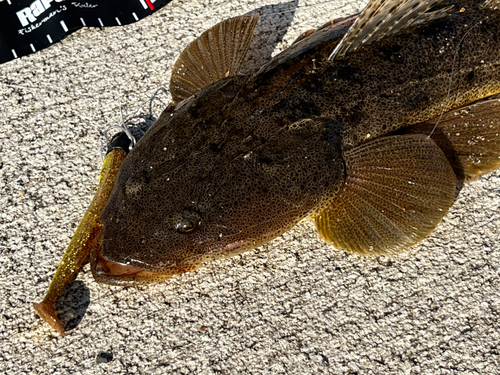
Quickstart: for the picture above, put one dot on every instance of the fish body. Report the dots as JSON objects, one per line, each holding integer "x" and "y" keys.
{"x": 343, "y": 140}
{"x": 247, "y": 158}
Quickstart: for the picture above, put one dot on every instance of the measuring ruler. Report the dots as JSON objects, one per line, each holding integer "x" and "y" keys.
{"x": 27, "y": 26}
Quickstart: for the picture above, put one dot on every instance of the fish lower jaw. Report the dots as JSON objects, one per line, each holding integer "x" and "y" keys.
{"x": 115, "y": 269}
{"x": 114, "y": 273}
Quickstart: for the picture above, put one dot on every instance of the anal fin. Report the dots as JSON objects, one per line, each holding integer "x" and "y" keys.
{"x": 469, "y": 137}
{"x": 215, "y": 54}
{"x": 397, "y": 190}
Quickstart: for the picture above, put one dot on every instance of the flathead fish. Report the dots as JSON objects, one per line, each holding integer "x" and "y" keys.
{"x": 365, "y": 126}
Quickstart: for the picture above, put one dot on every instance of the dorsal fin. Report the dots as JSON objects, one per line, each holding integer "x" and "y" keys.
{"x": 426, "y": 17}
{"x": 215, "y": 54}
{"x": 335, "y": 24}
{"x": 495, "y": 4}
{"x": 379, "y": 18}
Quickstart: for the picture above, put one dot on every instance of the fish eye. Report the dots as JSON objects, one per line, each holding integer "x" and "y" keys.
{"x": 188, "y": 224}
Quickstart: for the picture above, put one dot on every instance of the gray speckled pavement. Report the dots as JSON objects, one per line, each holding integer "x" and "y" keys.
{"x": 294, "y": 306}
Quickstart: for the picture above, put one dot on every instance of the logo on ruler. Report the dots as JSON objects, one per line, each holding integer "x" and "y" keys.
{"x": 35, "y": 9}
{"x": 27, "y": 26}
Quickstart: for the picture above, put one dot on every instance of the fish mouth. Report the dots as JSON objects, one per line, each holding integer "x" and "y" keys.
{"x": 114, "y": 268}
{"x": 122, "y": 274}
{"x": 116, "y": 273}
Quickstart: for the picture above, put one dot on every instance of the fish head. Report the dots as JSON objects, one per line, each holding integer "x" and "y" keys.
{"x": 199, "y": 187}
{"x": 157, "y": 226}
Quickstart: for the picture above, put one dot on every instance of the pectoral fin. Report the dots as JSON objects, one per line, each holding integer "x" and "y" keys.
{"x": 397, "y": 190}
{"x": 469, "y": 137}
{"x": 215, "y": 54}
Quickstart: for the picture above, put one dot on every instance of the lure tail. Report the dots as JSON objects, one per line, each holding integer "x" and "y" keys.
{"x": 86, "y": 237}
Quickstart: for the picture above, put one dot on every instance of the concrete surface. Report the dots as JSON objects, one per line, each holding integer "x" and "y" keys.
{"x": 294, "y": 306}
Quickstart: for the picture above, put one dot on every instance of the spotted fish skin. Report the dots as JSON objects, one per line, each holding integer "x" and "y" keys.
{"x": 247, "y": 158}
{"x": 401, "y": 80}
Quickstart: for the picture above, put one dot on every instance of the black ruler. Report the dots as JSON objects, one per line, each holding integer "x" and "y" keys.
{"x": 29, "y": 26}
